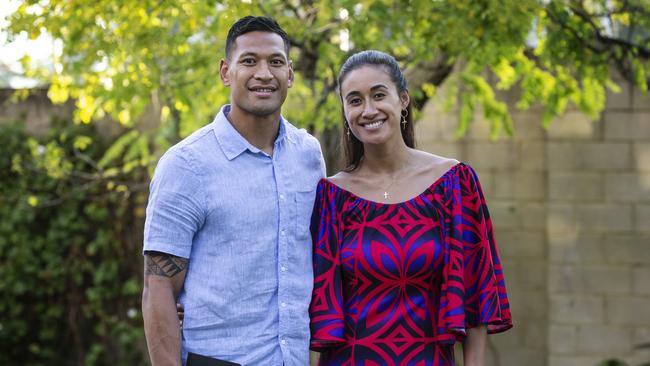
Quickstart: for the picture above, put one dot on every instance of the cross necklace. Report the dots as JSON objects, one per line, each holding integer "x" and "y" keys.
{"x": 390, "y": 185}
{"x": 393, "y": 178}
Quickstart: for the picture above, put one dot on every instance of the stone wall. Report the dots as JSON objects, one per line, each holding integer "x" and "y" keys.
{"x": 599, "y": 234}
{"x": 513, "y": 176}
{"x": 571, "y": 210}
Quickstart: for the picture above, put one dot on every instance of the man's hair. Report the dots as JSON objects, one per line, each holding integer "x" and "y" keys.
{"x": 255, "y": 23}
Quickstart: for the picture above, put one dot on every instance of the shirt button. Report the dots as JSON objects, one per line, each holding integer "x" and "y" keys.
{"x": 282, "y": 232}
{"x": 284, "y": 341}
{"x": 281, "y": 196}
{"x": 284, "y": 304}
{"x": 283, "y": 269}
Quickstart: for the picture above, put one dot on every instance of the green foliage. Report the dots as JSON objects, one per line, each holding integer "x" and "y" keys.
{"x": 119, "y": 57}
{"x": 70, "y": 263}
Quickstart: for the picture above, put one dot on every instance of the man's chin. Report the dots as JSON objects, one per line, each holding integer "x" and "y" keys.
{"x": 261, "y": 110}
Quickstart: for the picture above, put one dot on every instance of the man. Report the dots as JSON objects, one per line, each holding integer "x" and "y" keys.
{"x": 227, "y": 227}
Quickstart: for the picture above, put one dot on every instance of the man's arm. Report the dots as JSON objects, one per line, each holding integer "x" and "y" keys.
{"x": 474, "y": 346}
{"x": 164, "y": 275}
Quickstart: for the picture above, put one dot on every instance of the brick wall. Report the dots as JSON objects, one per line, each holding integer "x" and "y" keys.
{"x": 571, "y": 209}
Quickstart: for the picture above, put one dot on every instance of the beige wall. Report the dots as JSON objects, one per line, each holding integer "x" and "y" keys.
{"x": 36, "y": 111}
{"x": 571, "y": 209}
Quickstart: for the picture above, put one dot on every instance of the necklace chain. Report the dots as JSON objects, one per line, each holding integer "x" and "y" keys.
{"x": 392, "y": 181}
{"x": 393, "y": 178}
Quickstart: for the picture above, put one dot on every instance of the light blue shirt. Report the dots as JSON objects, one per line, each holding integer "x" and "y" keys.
{"x": 242, "y": 218}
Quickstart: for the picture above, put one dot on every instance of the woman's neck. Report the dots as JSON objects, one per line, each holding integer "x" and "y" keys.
{"x": 385, "y": 158}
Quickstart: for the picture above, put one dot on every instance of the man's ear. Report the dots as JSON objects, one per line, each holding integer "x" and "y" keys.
{"x": 223, "y": 72}
{"x": 291, "y": 75}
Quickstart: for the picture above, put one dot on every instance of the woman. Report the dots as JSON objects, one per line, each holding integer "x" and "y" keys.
{"x": 405, "y": 261}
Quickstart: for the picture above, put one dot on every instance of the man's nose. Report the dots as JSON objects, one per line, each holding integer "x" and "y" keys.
{"x": 263, "y": 72}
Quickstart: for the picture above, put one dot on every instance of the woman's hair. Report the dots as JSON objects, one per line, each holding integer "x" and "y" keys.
{"x": 353, "y": 148}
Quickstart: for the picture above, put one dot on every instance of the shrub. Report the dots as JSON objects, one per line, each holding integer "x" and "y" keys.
{"x": 70, "y": 241}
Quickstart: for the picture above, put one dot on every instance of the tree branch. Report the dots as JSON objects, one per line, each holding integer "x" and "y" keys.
{"x": 588, "y": 18}
{"x": 434, "y": 72}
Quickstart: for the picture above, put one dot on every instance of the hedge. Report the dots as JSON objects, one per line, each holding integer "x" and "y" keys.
{"x": 70, "y": 242}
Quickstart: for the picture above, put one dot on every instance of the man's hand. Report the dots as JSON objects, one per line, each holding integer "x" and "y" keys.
{"x": 164, "y": 275}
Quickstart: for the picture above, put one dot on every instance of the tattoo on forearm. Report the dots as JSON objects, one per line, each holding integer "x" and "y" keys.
{"x": 161, "y": 264}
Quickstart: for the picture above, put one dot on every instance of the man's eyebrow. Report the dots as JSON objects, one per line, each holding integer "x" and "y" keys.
{"x": 246, "y": 54}
{"x": 274, "y": 54}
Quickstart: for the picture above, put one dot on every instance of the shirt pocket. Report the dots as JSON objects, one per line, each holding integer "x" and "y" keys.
{"x": 304, "y": 206}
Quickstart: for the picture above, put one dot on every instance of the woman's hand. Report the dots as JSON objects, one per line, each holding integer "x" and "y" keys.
{"x": 180, "y": 311}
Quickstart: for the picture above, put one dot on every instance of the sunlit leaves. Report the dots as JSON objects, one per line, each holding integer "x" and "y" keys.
{"x": 81, "y": 142}
{"x": 118, "y": 148}
{"x": 641, "y": 73}
{"x": 50, "y": 158}
{"x": 32, "y": 200}
{"x": 120, "y": 58}
{"x": 506, "y": 74}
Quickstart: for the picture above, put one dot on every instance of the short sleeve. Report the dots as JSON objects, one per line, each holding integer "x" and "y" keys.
{"x": 326, "y": 309}
{"x": 473, "y": 291}
{"x": 321, "y": 161}
{"x": 175, "y": 209}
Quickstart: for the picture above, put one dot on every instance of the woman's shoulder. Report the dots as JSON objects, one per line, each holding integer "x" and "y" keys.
{"x": 434, "y": 165}
{"x": 433, "y": 159}
{"x": 343, "y": 179}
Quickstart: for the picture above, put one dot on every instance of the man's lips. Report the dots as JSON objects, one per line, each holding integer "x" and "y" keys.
{"x": 266, "y": 89}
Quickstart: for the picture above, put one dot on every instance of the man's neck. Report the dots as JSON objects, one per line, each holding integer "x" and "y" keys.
{"x": 259, "y": 131}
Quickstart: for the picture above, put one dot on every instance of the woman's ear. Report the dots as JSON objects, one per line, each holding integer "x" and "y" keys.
{"x": 405, "y": 98}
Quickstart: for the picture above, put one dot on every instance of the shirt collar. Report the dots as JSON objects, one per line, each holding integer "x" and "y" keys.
{"x": 232, "y": 143}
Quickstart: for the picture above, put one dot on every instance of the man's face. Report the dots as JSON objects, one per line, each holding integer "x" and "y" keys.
{"x": 258, "y": 73}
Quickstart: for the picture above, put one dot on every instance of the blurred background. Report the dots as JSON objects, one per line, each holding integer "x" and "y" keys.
{"x": 547, "y": 99}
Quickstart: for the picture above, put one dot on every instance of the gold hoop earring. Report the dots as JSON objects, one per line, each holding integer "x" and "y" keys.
{"x": 404, "y": 114}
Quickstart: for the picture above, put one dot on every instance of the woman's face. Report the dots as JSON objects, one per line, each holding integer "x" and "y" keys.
{"x": 372, "y": 105}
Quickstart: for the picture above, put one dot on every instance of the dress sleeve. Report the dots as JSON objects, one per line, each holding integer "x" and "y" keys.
{"x": 326, "y": 309}
{"x": 473, "y": 291}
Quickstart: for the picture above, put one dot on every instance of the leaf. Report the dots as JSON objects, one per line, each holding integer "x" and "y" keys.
{"x": 32, "y": 201}
{"x": 82, "y": 142}
{"x": 117, "y": 148}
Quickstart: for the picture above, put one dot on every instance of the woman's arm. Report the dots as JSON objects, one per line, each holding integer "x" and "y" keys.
{"x": 313, "y": 358}
{"x": 474, "y": 346}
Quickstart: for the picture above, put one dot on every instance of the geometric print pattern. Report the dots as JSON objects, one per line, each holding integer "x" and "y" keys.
{"x": 398, "y": 284}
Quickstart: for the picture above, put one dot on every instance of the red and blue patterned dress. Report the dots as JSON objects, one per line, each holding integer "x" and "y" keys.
{"x": 398, "y": 284}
